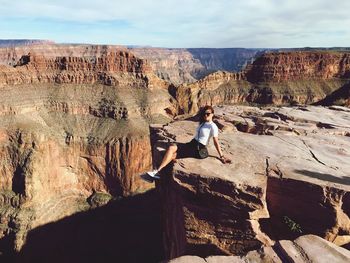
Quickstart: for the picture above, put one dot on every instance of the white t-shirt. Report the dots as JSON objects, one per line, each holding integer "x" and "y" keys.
{"x": 207, "y": 130}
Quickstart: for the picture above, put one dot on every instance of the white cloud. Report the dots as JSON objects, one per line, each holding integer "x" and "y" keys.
{"x": 191, "y": 23}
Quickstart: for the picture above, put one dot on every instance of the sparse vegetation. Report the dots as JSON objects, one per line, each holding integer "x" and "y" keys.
{"x": 292, "y": 225}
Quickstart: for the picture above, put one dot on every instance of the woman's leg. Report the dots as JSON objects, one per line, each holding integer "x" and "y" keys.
{"x": 168, "y": 157}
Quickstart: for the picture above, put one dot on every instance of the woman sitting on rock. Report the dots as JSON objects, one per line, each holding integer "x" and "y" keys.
{"x": 196, "y": 148}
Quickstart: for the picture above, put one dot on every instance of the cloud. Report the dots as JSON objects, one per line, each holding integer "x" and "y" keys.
{"x": 191, "y": 23}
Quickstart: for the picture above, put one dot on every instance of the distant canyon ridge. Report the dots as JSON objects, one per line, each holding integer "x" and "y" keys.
{"x": 176, "y": 65}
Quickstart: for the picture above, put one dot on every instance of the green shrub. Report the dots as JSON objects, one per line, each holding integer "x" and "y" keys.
{"x": 292, "y": 225}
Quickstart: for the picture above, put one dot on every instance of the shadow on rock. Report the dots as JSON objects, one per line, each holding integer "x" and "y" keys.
{"x": 128, "y": 230}
{"x": 325, "y": 177}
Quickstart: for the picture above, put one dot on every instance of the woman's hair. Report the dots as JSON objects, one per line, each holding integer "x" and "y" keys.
{"x": 202, "y": 113}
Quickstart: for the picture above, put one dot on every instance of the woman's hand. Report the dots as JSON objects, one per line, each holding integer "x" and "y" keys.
{"x": 225, "y": 160}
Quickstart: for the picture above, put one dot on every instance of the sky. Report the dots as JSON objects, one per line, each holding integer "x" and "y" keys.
{"x": 180, "y": 23}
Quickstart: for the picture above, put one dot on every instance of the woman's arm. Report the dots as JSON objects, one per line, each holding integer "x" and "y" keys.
{"x": 217, "y": 146}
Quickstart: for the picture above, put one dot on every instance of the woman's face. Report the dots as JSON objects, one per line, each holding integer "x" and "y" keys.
{"x": 208, "y": 115}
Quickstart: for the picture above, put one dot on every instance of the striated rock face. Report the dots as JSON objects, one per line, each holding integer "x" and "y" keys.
{"x": 37, "y": 69}
{"x": 10, "y": 55}
{"x": 215, "y": 89}
{"x": 273, "y": 78}
{"x": 307, "y": 248}
{"x": 69, "y": 140}
{"x": 289, "y": 176}
{"x": 173, "y": 65}
{"x": 228, "y": 59}
{"x": 289, "y": 66}
{"x": 180, "y": 66}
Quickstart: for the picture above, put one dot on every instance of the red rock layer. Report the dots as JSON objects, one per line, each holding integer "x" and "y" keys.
{"x": 289, "y": 66}
{"x": 77, "y": 70}
{"x": 11, "y": 55}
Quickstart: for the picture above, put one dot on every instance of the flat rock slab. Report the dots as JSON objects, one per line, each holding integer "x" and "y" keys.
{"x": 304, "y": 249}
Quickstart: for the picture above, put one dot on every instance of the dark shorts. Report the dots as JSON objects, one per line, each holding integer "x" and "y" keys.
{"x": 187, "y": 150}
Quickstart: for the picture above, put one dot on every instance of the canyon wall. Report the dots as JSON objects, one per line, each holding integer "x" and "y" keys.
{"x": 173, "y": 65}
{"x": 73, "y": 135}
{"x": 32, "y": 69}
{"x": 273, "y": 78}
{"x": 10, "y": 55}
{"x": 291, "y": 66}
{"x": 180, "y": 66}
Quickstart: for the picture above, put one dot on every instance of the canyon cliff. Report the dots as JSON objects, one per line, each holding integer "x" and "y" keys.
{"x": 176, "y": 66}
{"x": 180, "y": 66}
{"x": 274, "y": 78}
{"x": 73, "y": 135}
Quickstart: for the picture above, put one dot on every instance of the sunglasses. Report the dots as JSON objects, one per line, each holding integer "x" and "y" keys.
{"x": 207, "y": 113}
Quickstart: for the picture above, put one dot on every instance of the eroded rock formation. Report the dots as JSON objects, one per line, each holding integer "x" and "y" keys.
{"x": 289, "y": 66}
{"x": 73, "y": 135}
{"x": 10, "y": 55}
{"x": 173, "y": 65}
{"x": 32, "y": 69}
{"x": 289, "y": 176}
{"x": 273, "y": 78}
{"x": 180, "y": 66}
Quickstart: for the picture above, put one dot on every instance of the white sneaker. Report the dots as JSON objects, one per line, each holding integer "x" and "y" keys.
{"x": 153, "y": 174}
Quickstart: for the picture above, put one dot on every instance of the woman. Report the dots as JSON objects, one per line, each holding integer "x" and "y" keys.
{"x": 197, "y": 147}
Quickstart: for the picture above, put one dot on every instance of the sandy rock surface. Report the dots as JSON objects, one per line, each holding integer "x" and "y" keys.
{"x": 307, "y": 248}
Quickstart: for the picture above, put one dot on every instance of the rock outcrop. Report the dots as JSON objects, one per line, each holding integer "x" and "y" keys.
{"x": 289, "y": 176}
{"x": 273, "y": 78}
{"x": 307, "y": 248}
{"x": 73, "y": 135}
